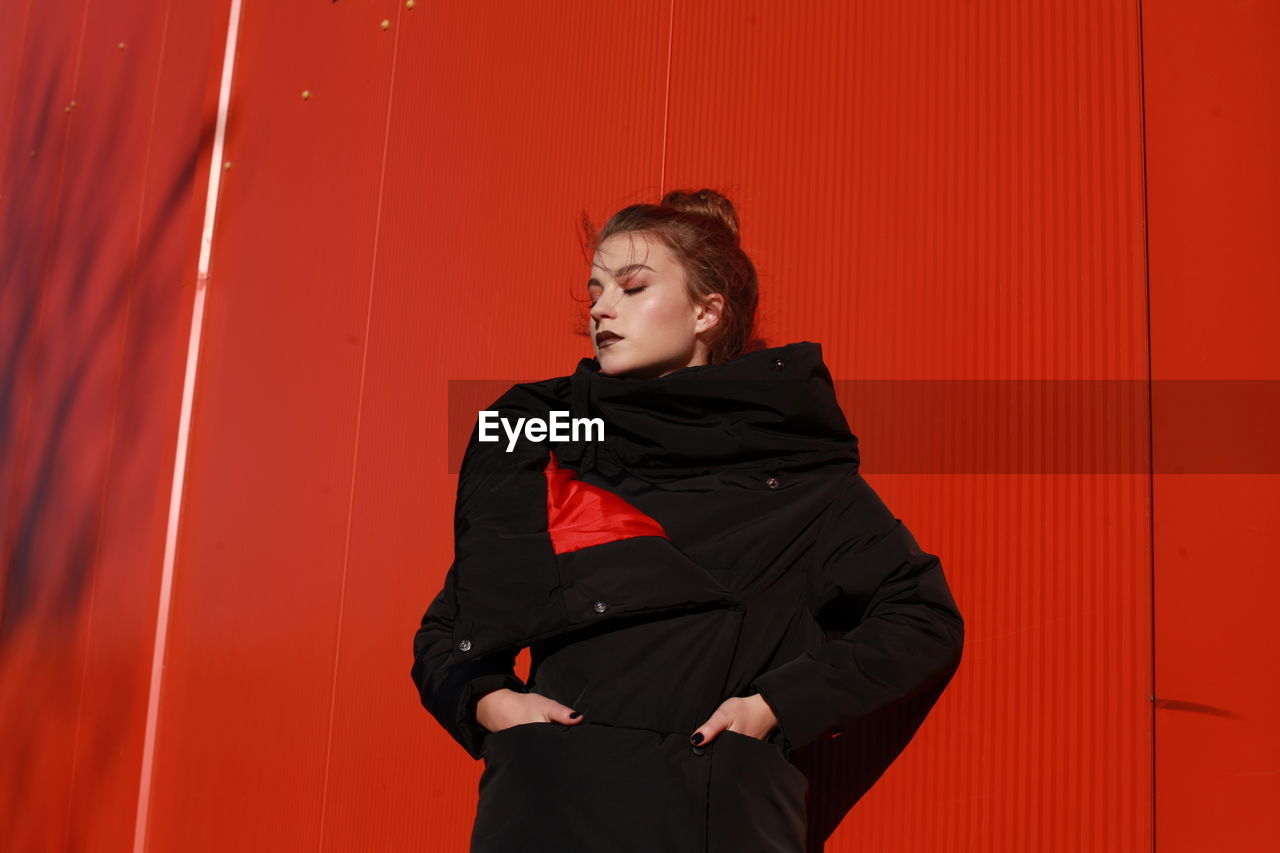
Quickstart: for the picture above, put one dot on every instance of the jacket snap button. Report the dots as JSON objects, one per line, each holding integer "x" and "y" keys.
{"x": 772, "y": 482}
{"x": 599, "y": 606}
{"x": 779, "y": 363}
{"x": 465, "y": 645}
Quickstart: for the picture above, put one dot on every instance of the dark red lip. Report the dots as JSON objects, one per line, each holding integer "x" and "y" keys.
{"x": 603, "y": 338}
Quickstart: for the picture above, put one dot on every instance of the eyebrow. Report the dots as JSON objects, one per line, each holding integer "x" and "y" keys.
{"x": 629, "y": 268}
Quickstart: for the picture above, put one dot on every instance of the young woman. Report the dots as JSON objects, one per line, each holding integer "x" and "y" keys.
{"x": 710, "y": 592}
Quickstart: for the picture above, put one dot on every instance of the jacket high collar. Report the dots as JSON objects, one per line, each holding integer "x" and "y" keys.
{"x": 774, "y": 406}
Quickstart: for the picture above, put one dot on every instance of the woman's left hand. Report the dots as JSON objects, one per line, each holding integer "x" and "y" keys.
{"x": 747, "y": 715}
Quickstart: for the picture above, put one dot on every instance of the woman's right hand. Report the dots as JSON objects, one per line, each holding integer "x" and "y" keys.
{"x": 503, "y": 708}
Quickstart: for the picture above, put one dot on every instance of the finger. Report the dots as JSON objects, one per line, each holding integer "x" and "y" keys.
{"x": 706, "y": 733}
{"x": 567, "y": 715}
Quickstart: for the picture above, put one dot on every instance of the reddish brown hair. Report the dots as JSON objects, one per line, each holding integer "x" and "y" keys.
{"x": 701, "y": 230}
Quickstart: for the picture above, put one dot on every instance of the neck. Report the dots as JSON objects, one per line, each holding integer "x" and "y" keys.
{"x": 775, "y": 404}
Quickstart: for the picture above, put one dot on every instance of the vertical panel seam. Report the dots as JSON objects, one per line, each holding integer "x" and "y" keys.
{"x": 355, "y": 450}
{"x": 77, "y": 727}
{"x": 130, "y": 290}
{"x": 1151, "y": 490}
{"x": 666, "y": 99}
{"x": 183, "y": 443}
{"x": 13, "y": 100}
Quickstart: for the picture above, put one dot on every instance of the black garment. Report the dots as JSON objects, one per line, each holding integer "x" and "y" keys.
{"x": 779, "y": 571}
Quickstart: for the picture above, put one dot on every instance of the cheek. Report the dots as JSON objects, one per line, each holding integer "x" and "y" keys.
{"x": 664, "y": 315}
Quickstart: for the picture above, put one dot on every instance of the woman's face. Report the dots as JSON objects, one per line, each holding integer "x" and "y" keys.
{"x": 637, "y": 291}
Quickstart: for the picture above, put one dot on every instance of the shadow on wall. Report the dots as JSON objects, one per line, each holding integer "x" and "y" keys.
{"x": 95, "y": 295}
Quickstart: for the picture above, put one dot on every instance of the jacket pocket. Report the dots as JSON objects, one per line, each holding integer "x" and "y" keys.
{"x": 517, "y": 731}
{"x": 756, "y": 798}
{"x": 771, "y": 751}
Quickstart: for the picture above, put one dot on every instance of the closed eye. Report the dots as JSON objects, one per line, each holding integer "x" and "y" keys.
{"x": 628, "y": 292}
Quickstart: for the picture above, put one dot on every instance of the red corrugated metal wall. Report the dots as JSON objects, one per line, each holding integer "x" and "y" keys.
{"x": 1213, "y": 133}
{"x": 941, "y": 191}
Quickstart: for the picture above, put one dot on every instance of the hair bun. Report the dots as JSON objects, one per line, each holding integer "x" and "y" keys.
{"x": 704, "y": 202}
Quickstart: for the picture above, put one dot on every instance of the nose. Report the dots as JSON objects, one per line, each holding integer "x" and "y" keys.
{"x": 604, "y": 307}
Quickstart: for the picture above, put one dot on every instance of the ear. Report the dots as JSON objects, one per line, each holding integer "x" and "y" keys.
{"x": 708, "y": 313}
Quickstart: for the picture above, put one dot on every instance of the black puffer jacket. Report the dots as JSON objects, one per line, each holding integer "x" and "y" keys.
{"x": 718, "y": 542}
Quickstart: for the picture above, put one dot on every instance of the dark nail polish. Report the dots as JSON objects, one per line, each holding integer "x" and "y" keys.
{"x": 575, "y": 715}
{"x": 695, "y": 738}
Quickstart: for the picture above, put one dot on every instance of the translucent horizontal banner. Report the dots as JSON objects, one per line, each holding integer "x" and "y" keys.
{"x": 1218, "y": 426}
